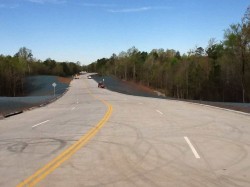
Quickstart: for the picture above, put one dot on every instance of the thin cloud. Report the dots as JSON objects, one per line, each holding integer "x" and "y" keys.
{"x": 11, "y": 6}
{"x": 48, "y": 1}
{"x": 97, "y": 5}
{"x": 141, "y": 9}
{"x": 162, "y": 8}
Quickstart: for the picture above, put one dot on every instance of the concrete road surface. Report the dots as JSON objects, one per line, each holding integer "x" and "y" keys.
{"x": 81, "y": 140}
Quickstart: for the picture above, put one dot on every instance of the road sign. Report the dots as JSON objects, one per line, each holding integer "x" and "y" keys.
{"x": 54, "y": 85}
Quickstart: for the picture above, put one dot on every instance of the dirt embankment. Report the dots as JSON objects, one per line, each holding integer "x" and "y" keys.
{"x": 65, "y": 80}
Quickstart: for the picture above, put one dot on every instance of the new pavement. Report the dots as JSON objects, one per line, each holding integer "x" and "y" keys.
{"x": 129, "y": 141}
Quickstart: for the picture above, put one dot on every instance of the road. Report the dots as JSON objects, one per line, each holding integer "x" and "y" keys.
{"x": 95, "y": 137}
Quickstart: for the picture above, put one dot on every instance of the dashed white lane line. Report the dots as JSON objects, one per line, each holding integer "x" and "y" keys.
{"x": 192, "y": 147}
{"x": 40, "y": 123}
{"x": 73, "y": 108}
{"x": 159, "y": 112}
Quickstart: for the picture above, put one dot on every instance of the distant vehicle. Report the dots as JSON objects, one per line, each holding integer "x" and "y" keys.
{"x": 82, "y": 72}
{"x": 89, "y": 77}
{"x": 101, "y": 85}
{"x": 76, "y": 76}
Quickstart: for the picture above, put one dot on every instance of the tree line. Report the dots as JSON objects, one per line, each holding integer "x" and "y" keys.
{"x": 14, "y": 69}
{"x": 218, "y": 72}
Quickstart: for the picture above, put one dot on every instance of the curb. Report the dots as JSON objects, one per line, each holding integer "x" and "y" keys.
{"x": 13, "y": 114}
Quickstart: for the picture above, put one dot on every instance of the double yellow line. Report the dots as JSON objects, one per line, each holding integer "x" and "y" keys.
{"x": 56, "y": 162}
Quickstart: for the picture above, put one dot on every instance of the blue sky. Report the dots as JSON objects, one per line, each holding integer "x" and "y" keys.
{"x": 85, "y": 30}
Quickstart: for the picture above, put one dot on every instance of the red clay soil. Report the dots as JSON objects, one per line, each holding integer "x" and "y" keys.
{"x": 139, "y": 86}
{"x": 66, "y": 80}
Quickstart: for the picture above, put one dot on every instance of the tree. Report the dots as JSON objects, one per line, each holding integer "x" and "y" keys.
{"x": 25, "y": 55}
{"x": 221, "y": 72}
{"x": 51, "y": 64}
{"x": 178, "y": 55}
{"x": 199, "y": 51}
{"x": 237, "y": 42}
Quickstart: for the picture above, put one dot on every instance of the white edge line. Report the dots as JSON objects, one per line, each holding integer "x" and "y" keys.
{"x": 40, "y": 123}
{"x": 159, "y": 112}
{"x": 192, "y": 147}
{"x": 220, "y": 108}
{"x": 226, "y": 109}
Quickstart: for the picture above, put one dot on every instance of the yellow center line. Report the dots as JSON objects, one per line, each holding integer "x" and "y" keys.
{"x": 56, "y": 162}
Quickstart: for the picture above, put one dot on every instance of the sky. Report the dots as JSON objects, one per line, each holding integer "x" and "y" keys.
{"x": 86, "y": 30}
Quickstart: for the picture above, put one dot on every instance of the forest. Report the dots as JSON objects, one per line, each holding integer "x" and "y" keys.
{"x": 14, "y": 69}
{"x": 218, "y": 72}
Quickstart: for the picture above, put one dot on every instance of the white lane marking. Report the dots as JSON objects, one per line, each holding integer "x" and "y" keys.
{"x": 192, "y": 147}
{"x": 159, "y": 112}
{"x": 40, "y": 123}
{"x": 73, "y": 108}
{"x": 140, "y": 103}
